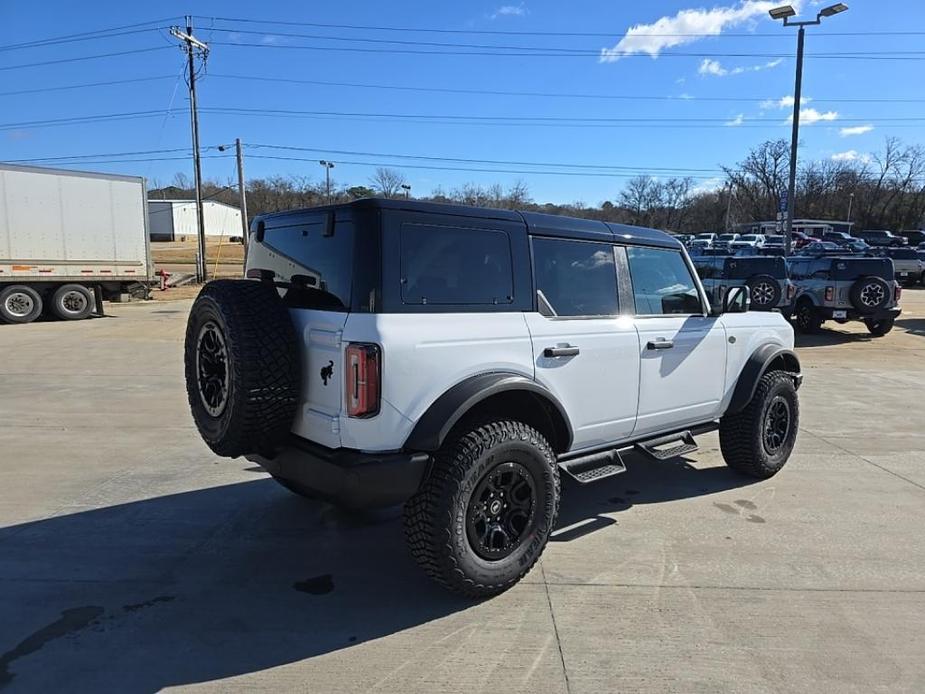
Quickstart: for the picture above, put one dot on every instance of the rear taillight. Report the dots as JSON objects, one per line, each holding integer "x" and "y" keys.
{"x": 791, "y": 291}
{"x": 830, "y": 293}
{"x": 363, "y": 376}
{"x": 897, "y": 293}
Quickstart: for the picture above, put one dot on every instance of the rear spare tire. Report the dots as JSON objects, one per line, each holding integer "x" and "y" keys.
{"x": 242, "y": 367}
{"x": 870, "y": 293}
{"x": 72, "y": 302}
{"x": 20, "y": 304}
{"x": 765, "y": 292}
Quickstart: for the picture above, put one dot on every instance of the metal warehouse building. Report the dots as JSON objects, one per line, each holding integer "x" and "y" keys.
{"x": 175, "y": 220}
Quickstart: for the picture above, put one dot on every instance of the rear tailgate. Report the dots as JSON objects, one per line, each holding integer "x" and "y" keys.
{"x": 322, "y": 396}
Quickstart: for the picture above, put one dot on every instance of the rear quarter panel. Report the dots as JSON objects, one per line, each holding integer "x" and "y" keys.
{"x": 425, "y": 355}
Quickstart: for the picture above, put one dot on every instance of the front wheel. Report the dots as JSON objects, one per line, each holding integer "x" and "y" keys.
{"x": 879, "y": 328}
{"x": 758, "y": 440}
{"x": 483, "y": 516}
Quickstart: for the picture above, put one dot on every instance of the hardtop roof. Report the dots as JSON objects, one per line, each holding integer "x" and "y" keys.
{"x": 536, "y": 223}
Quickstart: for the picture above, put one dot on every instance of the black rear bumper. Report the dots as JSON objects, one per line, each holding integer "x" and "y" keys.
{"x": 854, "y": 314}
{"x": 350, "y": 478}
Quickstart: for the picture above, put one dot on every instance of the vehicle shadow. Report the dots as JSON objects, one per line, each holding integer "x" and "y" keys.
{"x": 827, "y": 337}
{"x": 913, "y": 326}
{"x": 208, "y": 584}
{"x": 644, "y": 482}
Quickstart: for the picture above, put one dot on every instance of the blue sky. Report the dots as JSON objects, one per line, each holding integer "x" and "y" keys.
{"x": 733, "y": 81}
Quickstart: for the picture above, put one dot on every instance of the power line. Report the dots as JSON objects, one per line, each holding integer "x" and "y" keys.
{"x": 87, "y": 85}
{"x": 94, "y": 37}
{"x": 85, "y": 57}
{"x": 66, "y": 37}
{"x": 541, "y": 50}
{"x": 608, "y": 35}
{"x": 886, "y": 55}
{"x": 557, "y": 95}
{"x": 81, "y": 119}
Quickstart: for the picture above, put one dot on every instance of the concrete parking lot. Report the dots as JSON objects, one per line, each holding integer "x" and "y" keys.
{"x": 133, "y": 559}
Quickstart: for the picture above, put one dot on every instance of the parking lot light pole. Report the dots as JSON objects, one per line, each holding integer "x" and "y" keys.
{"x": 785, "y": 13}
{"x": 405, "y": 187}
{"x": 850, "y": 203}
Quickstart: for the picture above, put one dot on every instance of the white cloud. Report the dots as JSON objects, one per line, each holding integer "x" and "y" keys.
{"x": 851, "y": 155}
{"x": 783, "y": 102}
{"x": 510, "y": 11}
{"x": 710, "y": 185}
{"x": 738, "y": 120}
{"x": 687, "y": 26}
{"x": 715, "y": 68}
{"x": 855, "y": 130}
{"x": 808, "y": 116}
{"x": 685, "y": 96}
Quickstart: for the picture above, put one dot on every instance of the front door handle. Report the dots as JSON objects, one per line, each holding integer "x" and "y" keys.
{"x": 564, "y": 351}
{"x": 660, "y": 343}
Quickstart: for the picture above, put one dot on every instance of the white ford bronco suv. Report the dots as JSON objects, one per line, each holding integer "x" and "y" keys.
{"x": 458, "y": 360}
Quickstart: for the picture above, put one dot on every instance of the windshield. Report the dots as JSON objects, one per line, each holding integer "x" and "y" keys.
{"x": 728, "y": 237}
{"x": 704, "y": 236}
{"x": 775, "y": 239}
{"x": 748, "y": 237}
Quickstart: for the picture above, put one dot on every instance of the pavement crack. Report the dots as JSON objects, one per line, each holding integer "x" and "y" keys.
{"x": 555, "y": 629}
{"x": 861, "y": 457}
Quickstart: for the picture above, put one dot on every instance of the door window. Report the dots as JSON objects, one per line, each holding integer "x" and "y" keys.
{"x": 662, "y": 282}
{"x": 576, "y": 278}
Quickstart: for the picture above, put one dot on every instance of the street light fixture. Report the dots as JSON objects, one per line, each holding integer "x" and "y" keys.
{"x": 786, "y": 12}
{"x": 328, "y": 165}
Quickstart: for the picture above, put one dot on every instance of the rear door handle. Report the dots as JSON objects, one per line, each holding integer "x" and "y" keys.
{"x": 660, "y": 343}
{"x": 565, "y": 351}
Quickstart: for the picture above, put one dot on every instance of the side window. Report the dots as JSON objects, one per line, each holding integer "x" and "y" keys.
{"x": 577, "y": 278}
{"x": 662, "y": 283}
{"x": 452, "y": 265}
{"x": 820, "y": 269}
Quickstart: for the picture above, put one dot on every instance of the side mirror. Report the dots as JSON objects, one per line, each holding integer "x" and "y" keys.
{"x": 737, "y": 300}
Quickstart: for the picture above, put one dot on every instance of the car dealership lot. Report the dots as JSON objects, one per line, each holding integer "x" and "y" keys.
{"x": 133, "y": 559}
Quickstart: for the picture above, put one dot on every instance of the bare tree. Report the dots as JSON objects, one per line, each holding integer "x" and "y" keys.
{"x": 388, "y": 182}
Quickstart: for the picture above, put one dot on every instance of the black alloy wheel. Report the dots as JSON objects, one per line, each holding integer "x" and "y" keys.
{"x": 501, "y": 511}
{"x": 776, "y": 425}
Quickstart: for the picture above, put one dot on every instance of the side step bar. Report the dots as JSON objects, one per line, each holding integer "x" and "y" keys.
{"x": 595, "y": 466}
{"x": 653, "y": 447}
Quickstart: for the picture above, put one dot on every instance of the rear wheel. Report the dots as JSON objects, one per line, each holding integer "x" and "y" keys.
{"x": 72, "y": 302}
{"x": 758, "y": 440}
{"x": 879, "y": 328}
{"x": 20, "y": 304}
{"x": 482, "y": 518}
{"x": 806, "y": 318}
{"x": 765, "y": 292}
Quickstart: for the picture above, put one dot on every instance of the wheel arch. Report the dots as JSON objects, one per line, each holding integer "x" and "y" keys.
{"x": 765, "y": 358}
{"x": 489, "y": 394}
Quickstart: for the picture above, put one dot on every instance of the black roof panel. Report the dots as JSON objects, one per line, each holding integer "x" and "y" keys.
{"x": 568, "y": 227}
{"x": 643, "y": 236}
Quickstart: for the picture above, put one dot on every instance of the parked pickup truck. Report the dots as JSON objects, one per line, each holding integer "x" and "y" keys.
{"x": 907, "y": 265}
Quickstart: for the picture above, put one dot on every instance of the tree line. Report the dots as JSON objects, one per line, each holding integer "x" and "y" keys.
{"x": 885, "y": 190}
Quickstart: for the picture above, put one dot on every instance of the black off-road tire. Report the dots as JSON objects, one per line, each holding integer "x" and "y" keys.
{"x": 261, "y": 374}
{"x": 72, "y": 302}
{"x": 742, "y": 437}
{"x": 861, "y": 298}
{"x": 766, "y": 289}
{"x": 806, "y": 318}
{"x": 19, "y": 304}
{"x": 879, "y": 328}
{"x": 436, "y": 518}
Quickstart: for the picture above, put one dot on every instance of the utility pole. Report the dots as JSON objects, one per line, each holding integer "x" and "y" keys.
{"x": 192, "y": 46}
{"x": 728, "y": 207}
{"x": 242, "y": 193}
{"x": 328, "y": 165}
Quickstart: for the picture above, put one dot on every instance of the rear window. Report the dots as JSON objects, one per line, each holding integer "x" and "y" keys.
{"x": 454, "y": 265}
{"x": 903, "y": 254}
{"x": 323, "y": 253}
{"x": 743, "y": 268}
{"x": 853, "y": 268}
{"x": 577, "y": 278}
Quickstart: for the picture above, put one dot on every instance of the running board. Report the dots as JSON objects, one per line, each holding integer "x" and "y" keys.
{"x": 594, "y": 467}
{"x": 684, "y": 440}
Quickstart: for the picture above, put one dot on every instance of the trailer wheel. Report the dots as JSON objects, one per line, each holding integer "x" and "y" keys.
{"x": 20, "y": 304}
{"x": 72, "y": 302}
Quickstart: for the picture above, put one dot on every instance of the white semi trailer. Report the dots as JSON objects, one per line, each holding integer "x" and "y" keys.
{"x": 69, "y": 240}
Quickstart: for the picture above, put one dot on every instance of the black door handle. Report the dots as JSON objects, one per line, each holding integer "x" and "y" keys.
{"x": 566, "y": 351}
{"x": 660, "y": 344}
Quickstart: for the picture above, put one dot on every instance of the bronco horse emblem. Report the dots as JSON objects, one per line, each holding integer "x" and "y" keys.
{"x": 327, "y": 372}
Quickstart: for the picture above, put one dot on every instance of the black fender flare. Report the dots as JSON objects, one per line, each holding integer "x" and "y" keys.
{"x": 756, "y": 367}
{"x": 435, "y": 424}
